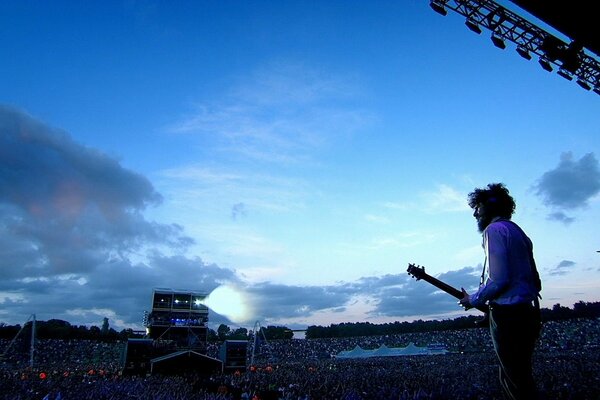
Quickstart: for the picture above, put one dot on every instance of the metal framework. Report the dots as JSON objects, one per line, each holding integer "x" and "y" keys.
{"x": 570, "y": 59}
{"x": 259, "y": 331}
{"x": 32, "y": 344}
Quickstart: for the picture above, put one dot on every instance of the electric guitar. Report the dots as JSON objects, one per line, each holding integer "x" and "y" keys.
{"x": 419, "y": 273}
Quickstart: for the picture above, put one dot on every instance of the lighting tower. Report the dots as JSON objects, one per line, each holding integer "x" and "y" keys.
{"x": 178, "y": 316}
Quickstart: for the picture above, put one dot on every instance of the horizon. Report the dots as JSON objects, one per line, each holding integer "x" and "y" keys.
{"x": 251, "y": 328}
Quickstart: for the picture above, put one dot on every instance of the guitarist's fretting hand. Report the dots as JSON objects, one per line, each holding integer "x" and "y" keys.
{"x": 465, "y": 302}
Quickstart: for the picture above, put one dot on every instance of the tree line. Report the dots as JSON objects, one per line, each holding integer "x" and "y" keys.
{"x": 557, "y": 312}
{"x": 59, "y": 329}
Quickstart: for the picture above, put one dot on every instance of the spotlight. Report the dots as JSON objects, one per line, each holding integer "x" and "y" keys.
{"x": 472, "y": 25}
{"x": 545, "y": 64}
{"x": 583, "y": 84}
{"x": 438, "y": 8}
{"x": 565, "y": 74}
{"x": 523, "y": 52}
{"x": 498, "y": 41}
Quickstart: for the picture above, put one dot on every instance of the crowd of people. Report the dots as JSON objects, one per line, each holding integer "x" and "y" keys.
{"x": 566, "y": 366}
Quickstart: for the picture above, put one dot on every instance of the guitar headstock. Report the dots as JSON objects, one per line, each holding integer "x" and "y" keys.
{"x": 416, "y": 271}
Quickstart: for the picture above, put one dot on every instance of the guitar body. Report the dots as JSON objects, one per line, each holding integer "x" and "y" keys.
{"x": 419, "y": 273}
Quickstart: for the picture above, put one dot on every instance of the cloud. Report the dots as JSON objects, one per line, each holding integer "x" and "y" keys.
{"x": 68, "y": 214}
{"x": 238, "y": 210}
{"x": 421, "y": 298}
{"x": 445, "y": 199}
{"x": 393, "y": 296}
{"x": 377, "y": 219}
{"x": 570, "y": 185}
{"x": 561, "y": 217}
{"x": 47, "y": 174}
{"x": 563, "y": 268}
{"x": 441, "y": 200}
{"x": 280, "y": 114}
{"x": 120, "y": 289}
{"x": 64, "y": 207}
{"x": 210, "y": 189}
{"x": 76, "y": 245}
{"x": 277, "y": 301}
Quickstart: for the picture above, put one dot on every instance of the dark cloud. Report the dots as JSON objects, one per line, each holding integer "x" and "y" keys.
{"x": 563, "y": 268}
{"x": 71, "y": 218}
{"x": 570, "y": 185}
{"x": 561, "y": 217}
{"x": 118, "y": 287}
{"x": 275, "y": 301}
{"x": 421, "y": 298}
{"x": 392, "y": 295}
{"x": 46, "y": 173}
{"x": 69, "y": 207}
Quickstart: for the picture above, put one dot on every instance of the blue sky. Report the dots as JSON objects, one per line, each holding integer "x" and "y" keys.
{"x": 300, "y": 152}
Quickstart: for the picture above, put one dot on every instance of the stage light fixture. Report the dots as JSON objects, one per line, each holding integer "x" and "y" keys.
{"x": 583, "y": 84}
{"x": 545, "y": 64}
{"x": 565, "y": 74}
{"x": 472, "y": 25}
{"x": 498, "y": 41}
{"x": 438, "y": 8}
{"x": 523, "y": 52}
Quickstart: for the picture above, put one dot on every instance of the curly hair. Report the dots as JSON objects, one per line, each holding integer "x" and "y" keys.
{"x": 496, "y": 198}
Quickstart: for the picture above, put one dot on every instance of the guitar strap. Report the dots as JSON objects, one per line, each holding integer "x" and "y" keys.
{"x": 482, "y": 279}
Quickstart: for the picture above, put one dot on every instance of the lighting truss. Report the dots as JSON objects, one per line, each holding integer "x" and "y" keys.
{"x": 529, "y": 39}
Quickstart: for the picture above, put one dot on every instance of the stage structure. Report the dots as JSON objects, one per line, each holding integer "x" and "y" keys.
{"x": 573, "y": 18}
{"x": 176, "y": 334}
{"x": 178, "y": 317}
{"x": 232, "y": 354}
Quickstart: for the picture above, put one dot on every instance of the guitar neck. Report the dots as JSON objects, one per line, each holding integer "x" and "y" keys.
{"x": 443, "y": 286}
{"x": 450, "y": 290}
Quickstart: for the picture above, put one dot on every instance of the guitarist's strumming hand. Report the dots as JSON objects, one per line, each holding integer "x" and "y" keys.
{"x": 465, "y": 302}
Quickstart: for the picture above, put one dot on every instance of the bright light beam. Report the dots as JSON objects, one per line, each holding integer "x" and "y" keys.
{"x": 230, "y": 302}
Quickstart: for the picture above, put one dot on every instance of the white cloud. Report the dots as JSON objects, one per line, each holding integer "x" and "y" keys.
{"x": 281, "y": 114}
{"x": 396, "y": 205}
{"x": 379, "y": 219}
{"x": 469, "y": 256}
{"x": 221, "y": 188}
{"x": 445, "y": 199}
{"x": 441, "y": 200}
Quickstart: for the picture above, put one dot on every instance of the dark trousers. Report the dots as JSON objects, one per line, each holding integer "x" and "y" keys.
{"x": 514, "y": 330}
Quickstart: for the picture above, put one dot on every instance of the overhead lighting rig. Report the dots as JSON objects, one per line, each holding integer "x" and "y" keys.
{"x": 570, "y": 59}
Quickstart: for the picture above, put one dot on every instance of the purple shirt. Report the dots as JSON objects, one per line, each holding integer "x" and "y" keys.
{"x": 508, "y": 260}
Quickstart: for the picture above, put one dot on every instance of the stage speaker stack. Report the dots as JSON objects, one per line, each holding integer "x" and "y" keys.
{"x": 233, "y": 355}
